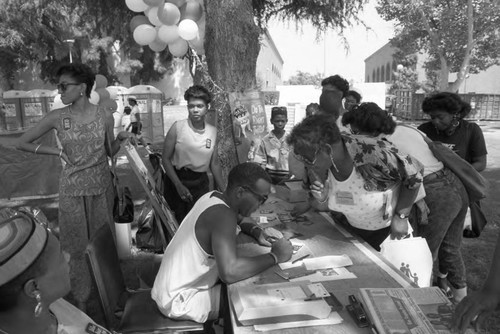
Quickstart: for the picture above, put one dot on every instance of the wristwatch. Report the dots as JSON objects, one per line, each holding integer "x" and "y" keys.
{"x": 403, "y": 215}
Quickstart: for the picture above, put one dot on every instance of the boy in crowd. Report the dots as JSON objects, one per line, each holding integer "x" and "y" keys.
{"x": 352, "y": 99}
{"x": 272, "y": 153}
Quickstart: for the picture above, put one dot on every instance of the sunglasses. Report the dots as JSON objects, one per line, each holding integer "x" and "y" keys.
{"x": 64, "y": 85}
{"x": 305, "y": 160}
{"x": 261, "y": 198}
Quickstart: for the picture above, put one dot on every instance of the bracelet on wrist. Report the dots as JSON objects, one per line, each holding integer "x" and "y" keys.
{"x": 36, "y": 149}
{"x": 60, "y": 153}
{"x": 274, "y": 257}
{"x": 323, "y": 201}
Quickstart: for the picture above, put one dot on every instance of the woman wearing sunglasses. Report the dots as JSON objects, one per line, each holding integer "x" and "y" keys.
{"x": 189, "y": 152}
{"x": 34, "y": 278}
{"x": 85, "y": 132}
{"x": 367, "y": 180}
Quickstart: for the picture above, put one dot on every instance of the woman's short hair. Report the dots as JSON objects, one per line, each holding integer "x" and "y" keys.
{"x": 354, "y": 94}
{"x": 81, "y": 73}
{"x": 314, "y": 132}
{"x": 370, "y": 118}
{"x": 198, "y": 92}
{"x": 127, "y": 110}
{"x": 246, "y": 174}
{"x": 337, "y": 81}
{"x": 447, "y": 102}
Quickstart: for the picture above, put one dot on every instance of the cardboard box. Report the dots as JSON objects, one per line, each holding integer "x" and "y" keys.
{"x": 292, "y": 191}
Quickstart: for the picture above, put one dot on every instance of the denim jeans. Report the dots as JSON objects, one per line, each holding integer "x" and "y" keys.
{"x": 447, "y": 200}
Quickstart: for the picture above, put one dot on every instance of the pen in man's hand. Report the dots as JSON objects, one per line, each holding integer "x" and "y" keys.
{"x": 301, "y": 258}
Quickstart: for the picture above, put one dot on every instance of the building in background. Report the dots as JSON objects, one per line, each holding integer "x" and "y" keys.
{"x": 269, "y": 64}
{"x": 381, "y": 67}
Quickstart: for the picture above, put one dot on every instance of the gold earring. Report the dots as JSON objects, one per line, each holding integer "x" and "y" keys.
{"x": 38, "y": 307}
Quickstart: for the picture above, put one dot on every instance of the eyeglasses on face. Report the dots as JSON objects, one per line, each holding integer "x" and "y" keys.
{"x": 64, "y": 85}
{"x": 305, "y": 160}
{"x": 260, "y": 198}
{"x": 199, "y": 105}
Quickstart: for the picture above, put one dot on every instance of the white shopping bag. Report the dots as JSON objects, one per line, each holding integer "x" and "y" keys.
{"x": 411, "y": 256}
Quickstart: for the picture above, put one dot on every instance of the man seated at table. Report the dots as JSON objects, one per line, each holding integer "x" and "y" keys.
{"x": 203, "y": 251}
{"x": 272, "y": 153}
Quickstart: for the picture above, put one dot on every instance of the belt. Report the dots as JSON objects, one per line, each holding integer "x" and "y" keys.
{"x": 435, "y": 175}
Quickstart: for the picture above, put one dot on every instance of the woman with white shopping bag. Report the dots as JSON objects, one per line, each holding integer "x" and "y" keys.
{"x": 441, "y": 219}
{"x": 374, "y": 188}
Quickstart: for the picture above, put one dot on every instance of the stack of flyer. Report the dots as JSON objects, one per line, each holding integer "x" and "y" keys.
{"x": 409, "y": 311}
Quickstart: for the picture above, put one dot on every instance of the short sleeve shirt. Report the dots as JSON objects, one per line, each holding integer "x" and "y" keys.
{"x": 467, "y": 140}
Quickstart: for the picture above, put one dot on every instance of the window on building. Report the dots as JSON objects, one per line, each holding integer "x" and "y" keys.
{"x": 374, "y": 76}
{"x": 388, "y": 72}
{"x": 378, "y": 75}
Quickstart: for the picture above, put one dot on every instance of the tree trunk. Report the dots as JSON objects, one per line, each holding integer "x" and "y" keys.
{"x": 464, "y": 68}
{"x": 231, "y": 48}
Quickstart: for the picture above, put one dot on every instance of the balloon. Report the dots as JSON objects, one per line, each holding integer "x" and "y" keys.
{"x": 109, "y": 105}
{"x": 103, "y": 94}
{"x": 144, "y": 34}
{"x": 157, "y": 46}
{"x": 100, "y": 81}
{"x": 177, "y": 3}
{"x": 178, "y": 48}
{"x": 169, "y": 14}
{"x": 153, "y": 16}
{"x": 136, "y": 5}
{"x": 137, "y": 21}
{"x": 188, "y": 29}
{"x": 112, "y": 93}
{"x": 153, "y": 3}
{"x": 191, "y": 10}
{"x": 94, "y": 97}
{"x": 197, "y": 42}
{"x": 168, "y": 34}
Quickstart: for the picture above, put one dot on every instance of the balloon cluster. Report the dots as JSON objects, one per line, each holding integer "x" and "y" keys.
{"x": 173, "y": 23}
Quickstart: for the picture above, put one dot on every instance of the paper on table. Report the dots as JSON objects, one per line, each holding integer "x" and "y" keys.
{"x": 333, "y": 319}
{"x": 322, "y": 262}
{"x": 326, "y": 275}
{"x": 325, "y": 262}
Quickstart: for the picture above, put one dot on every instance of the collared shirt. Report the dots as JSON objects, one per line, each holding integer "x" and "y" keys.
{"x": 273, "y": 152}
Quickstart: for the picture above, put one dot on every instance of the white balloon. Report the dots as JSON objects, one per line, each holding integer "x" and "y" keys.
{"x": 178, "y": 48}
{"x": 188, "y": 29}
{"x": 94, "y": 97}
{"x": 157, "y": 46}
{"x": 153, "y": 16}
{"x": 144, "y": 34}
{"x": 136, "y": 5}
{"x": 112, "y": 93}
{"x": 168, "y": 34}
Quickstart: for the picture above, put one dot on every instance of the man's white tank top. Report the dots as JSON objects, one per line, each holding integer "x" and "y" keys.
{"x": 186, "y": 268}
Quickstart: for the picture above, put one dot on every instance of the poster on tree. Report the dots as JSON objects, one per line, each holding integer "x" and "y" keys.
{"x": 249, "y": 122}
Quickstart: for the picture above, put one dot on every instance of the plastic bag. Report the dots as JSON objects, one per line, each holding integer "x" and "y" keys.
{"x": 411, "y": 256}
{"x": 147, "y": 236}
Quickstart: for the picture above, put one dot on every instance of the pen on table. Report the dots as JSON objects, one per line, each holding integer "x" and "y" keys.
{"x": 300, "y": 258}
